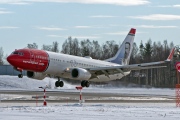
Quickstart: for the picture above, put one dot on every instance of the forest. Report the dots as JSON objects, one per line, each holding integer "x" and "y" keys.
{"x": 149, "y": 51}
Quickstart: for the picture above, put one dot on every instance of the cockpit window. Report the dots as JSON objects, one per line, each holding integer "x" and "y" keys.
{"x": 15, "y": 52}
{"x": 18, "y": 53}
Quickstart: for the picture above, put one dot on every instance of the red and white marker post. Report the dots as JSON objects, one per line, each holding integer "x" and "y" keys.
{"x": 44, "y": 88}
{"x": 44, "y": 103}
{"x": 178, "y": 85}
{"x": 80, "y": 94}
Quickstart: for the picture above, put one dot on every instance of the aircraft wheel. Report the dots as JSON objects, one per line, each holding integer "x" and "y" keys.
{"x": 57, "y": 83}
{"x": 87, "y": 83}
{"x": 61, "y": 83}
{"x": 83, "y": 83}
{"x": 20, "y": 75}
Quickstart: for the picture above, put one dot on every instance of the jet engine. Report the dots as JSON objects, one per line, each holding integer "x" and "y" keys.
{"x": 35, "y": 75}
{"x": 80, "y": 74}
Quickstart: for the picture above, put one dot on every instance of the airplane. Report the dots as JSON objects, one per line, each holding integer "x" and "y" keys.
{"x": 40, "y": 64}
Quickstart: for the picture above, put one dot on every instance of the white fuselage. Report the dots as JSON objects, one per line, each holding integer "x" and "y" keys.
{"x": 58, "y": 63}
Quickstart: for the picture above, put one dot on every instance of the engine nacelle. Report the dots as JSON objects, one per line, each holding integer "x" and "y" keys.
{"x": 35, "y": 75}
{"x": 80, "y": 74}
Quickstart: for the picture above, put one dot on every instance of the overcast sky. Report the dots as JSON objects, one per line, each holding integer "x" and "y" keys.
{"x": 45, "y": 21}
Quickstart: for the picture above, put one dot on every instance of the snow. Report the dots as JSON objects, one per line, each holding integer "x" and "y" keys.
{"x": 13, "y": 82}
{"x": 92, "y": 112}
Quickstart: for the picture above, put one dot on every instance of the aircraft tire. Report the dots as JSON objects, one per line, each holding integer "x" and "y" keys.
{"x": 83, "y": 83}
{"x": 57, "y": 84}
{"x": 61, "y": 83}
{"x": 20, "y": 75}
{"x": 87, "y": 83}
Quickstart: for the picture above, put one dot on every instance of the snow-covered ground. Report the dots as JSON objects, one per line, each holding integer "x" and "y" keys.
{"x": 102, "y": 111}
{"x": 15, "y": 83}
{"x": 87, "y": 111}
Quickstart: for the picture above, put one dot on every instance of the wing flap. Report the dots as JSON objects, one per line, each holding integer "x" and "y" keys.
{"x": 121, "y": 69}
{"x": 110, "y": 71}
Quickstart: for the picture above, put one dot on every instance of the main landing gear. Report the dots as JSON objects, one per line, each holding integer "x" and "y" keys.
{"x": 85, "y": 83}
{"x": 59, "y": 83}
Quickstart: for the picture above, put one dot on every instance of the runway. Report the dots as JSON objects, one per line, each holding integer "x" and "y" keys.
{"x": 13, "y": 89}
{"x": 90, "y": 96}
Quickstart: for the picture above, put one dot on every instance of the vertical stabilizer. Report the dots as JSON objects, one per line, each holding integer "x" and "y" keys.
{"x": 125, "y": 50}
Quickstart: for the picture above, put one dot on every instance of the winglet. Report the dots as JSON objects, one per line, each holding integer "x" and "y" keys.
{"x": 171, "y": 55}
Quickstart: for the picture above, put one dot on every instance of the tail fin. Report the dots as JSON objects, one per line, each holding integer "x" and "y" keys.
{"x": 171, "y": 55}
{"x": 124, "y": 52}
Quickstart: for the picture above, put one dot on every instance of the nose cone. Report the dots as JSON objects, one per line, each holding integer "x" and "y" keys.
{"x": 10, "y": 59}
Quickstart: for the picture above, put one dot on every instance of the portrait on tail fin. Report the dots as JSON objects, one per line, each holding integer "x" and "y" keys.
{"x": 123, "y": 55}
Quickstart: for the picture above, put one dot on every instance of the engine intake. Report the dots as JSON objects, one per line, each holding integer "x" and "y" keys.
{"x": 35, "y": 75}
{"x": 80, "y": 74}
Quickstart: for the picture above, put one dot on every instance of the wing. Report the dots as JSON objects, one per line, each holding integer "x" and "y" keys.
{"x": 119, "y": 69}
{"x": 125, "y": 68}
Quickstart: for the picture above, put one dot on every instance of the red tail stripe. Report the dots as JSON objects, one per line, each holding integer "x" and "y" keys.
{"x": 132, "y": 31}
{"x": 171, "y": 54}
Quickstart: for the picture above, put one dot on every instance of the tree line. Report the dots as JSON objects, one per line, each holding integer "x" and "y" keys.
{"x": 145, "y": 52}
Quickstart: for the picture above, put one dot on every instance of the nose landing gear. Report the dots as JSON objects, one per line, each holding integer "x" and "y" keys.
{"x": 20, "y": 75}
{"x": 20, "y": 70}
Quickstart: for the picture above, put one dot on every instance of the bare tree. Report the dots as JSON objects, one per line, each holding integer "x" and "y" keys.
{"x": 55, "y": 47}
{"x": 71, "y": 46}
{"x": 47, "y": 47}
{"x": 86, "y": 47}
{"x": 96, "y": 52}
{"x": 65, "y": 47}
{"x": 134, "y": 54}
{"x": 1, "y": 56}
{"x": 75, "y": 47}
{"x": 32, "y": 46}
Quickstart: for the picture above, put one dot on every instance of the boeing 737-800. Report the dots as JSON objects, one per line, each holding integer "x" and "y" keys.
{"x": 39, "y": 64}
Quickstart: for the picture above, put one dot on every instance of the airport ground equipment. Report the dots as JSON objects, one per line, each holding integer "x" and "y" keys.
{"x": 44, "y": 88}
{"x": 176, "y": 60}
{"x": 80, "y": 94}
